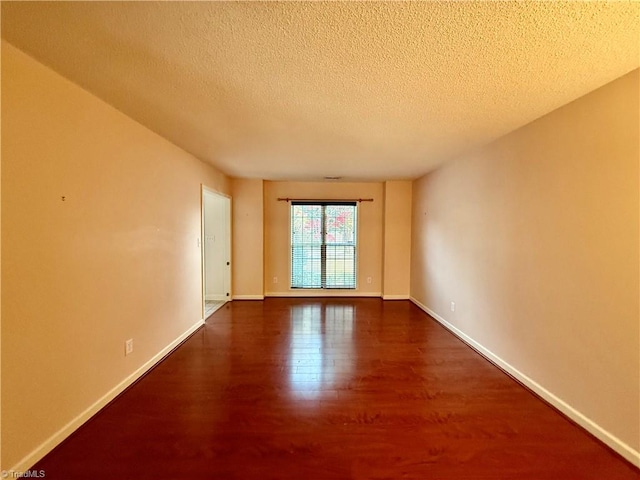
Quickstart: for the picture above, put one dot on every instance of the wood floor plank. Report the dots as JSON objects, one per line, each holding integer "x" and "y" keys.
{"x": 335, "y": 389}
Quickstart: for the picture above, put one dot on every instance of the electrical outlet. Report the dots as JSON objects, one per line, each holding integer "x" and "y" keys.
{"x": 453, "y": 306}
{"x": 128, "y": 347}
{"x": 275, "y": 279}
{"x": 368, "y": 279}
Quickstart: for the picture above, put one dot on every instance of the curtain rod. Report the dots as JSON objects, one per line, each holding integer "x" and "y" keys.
{"x": 287, "y": 199}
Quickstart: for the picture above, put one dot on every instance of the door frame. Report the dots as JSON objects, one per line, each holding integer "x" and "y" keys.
{"x": 206, "y": 191}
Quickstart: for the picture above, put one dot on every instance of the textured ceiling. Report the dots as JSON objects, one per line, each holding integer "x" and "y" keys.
{"x": 303, "y": 90}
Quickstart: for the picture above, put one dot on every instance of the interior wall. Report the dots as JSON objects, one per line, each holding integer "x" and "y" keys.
{"x": 535, "y": 239}
{"x": 248, "y": 239}
{"x": 101, "y": 220}
{"x": 277, "y": 265}
{"x": 397, "y": 240}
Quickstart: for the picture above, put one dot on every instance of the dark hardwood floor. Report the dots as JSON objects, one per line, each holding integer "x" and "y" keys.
{"x": 310, "y": 389}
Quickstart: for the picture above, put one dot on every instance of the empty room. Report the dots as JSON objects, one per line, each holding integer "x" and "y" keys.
{"x": 322, "y": 240}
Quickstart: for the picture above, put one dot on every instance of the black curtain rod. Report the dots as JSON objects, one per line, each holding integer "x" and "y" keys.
{"x": 287, "y": 199}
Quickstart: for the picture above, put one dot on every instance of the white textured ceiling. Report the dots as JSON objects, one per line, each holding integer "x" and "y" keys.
{"x": 303, "y": 90}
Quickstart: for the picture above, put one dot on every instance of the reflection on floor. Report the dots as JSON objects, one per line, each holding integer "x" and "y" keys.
{"x": 210, "y": 306}
{"x": 321, "y": 353}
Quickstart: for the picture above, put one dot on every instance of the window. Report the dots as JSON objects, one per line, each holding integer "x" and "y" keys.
{"x": 323, "y": 245}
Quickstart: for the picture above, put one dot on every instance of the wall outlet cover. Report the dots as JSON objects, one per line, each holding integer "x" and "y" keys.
{"x": 128, "y": 347}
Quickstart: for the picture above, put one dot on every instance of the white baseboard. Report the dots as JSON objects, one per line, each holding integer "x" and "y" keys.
{"x": 39, "y": 452}
{"x": 323, "y": 293}
{"x": 395, "y": 297}
{"x": 248, "y": 297}
{"x": 589, "y": 425}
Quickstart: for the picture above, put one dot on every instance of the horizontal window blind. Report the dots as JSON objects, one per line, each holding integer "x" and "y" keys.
{"x": 323, "y": 245}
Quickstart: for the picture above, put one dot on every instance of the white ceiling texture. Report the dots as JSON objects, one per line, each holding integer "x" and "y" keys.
{"x": 304, "y": 90}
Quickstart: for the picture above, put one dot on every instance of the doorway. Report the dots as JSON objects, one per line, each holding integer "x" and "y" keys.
{"x": 216, "y": 251}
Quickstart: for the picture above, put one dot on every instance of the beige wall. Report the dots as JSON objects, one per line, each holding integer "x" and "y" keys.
{"x": 277, "y": 232}
{"x": 397, "y": 239}
{"x": 248, "y": 239}
{"x": 118, "y": 259}
{"x": 535, "y": 238}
